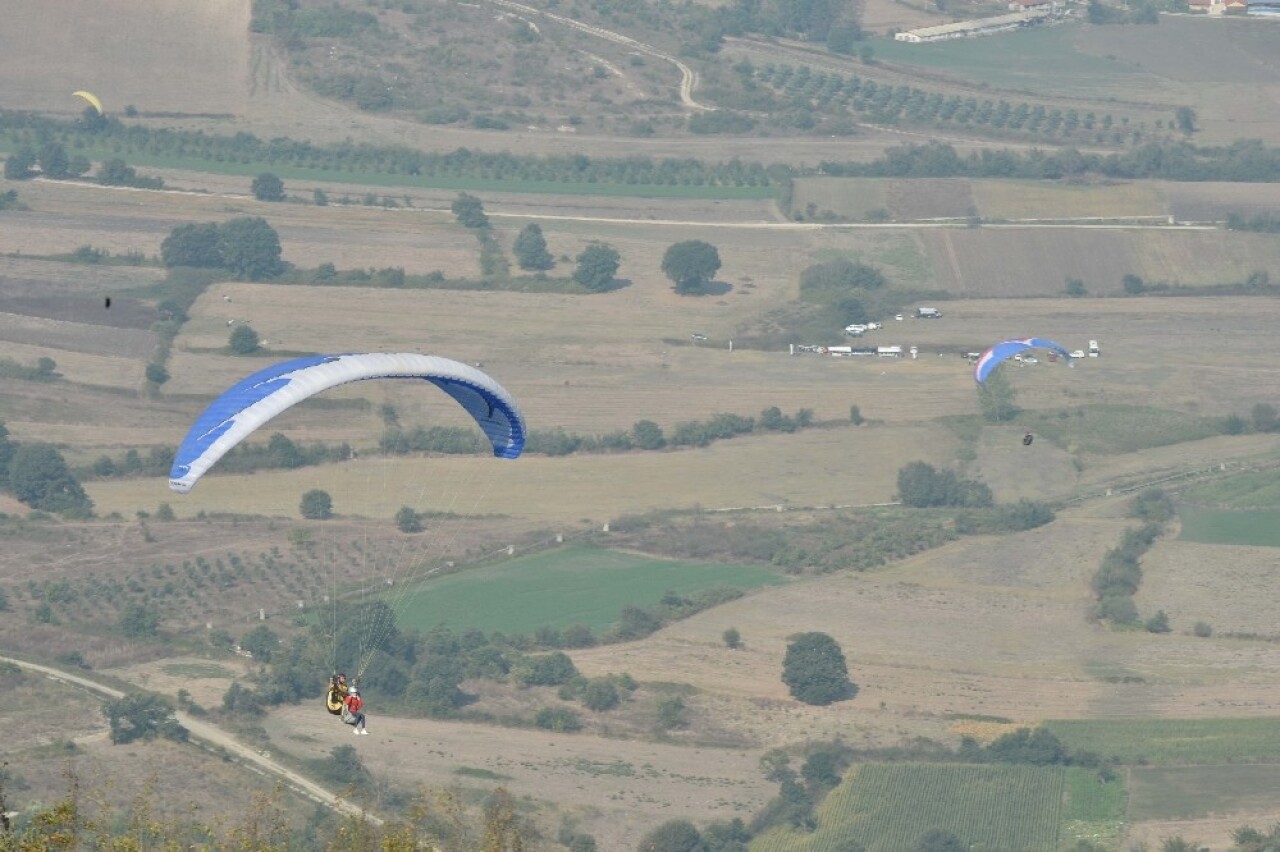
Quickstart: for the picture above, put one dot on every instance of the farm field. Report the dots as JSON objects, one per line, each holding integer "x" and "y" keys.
{"x": 995, "y": 200}
{"x": 1230, "y": 526}
{"x": 1251, "y": 490}
{"x": 1174, "y": 741}
{"x": 1131, "y": 63}
{"x": 561, "y": 588}
{"x": 888, "y": 807}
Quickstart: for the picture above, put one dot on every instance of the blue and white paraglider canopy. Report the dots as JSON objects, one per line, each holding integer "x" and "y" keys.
{"x": 253, "y": 401}
{"x": 997, "y": 354}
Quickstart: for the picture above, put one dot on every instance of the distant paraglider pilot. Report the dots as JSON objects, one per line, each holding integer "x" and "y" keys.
{"x": 351, "y": 711}
{"x": 1027, "y": 439}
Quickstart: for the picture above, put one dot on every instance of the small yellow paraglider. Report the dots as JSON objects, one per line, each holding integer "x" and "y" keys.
{"x": 91, "y": 98}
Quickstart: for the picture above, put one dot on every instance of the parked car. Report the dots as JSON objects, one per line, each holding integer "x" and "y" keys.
{"x": 1079, "y": 353}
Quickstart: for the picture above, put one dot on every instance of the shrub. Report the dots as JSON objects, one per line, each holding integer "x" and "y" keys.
{"x": 316, "y": 505}
{"x": 562, "y": 720}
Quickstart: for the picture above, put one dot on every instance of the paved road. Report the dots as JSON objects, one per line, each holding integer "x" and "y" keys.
{"x": 213, "y": 735}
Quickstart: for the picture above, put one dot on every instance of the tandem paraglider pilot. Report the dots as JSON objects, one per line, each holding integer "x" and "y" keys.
{"x": 336, "y": 698}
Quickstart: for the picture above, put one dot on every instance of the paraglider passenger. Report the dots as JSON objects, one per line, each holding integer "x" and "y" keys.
{"x": 351, "y": 712}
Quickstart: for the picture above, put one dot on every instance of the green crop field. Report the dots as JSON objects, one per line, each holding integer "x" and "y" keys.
{"x": 1172, "y": 741}
{"x": 1186, "y": 792}
{"x": 1092, "y": 809}
{"x": 572, "y": 585}
{"x": 1108, "y": 429}
{"x": 1042, "y": 59}
{"x": 888, "y": 807}
{"x": 1260, "y": 528}
{"x": 1257, "y": 489}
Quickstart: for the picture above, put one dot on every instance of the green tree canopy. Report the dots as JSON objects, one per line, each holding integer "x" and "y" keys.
{"x": 268, "y": 187}
{"x": 7, "y": 448}
{"x": 469, "y": 211}
{"x": 921, "y": 485}
{"x": 996, "y": 398}
{"x": 54, "y": 162}
{"x": 531, "y": 249}
{"x": 142, "y": 716}
{"x": 647, "y": 435}
{"x": 243, "y": 340}
{"x": 250, "y": 248}
{"x": 39, "y": 477}
{"x": 814, "y": 669}
{"x": 691, "y": 265}
{"x": 838, "y": 276}
{"x": 316, "y": 505}
{"x": 116, "y": 172}
{"x": 19, "y": 164}
{"x": 139, "y": 621}
{"x": 262, "y": 642}
{"x": 597, "y": 264}
{"x": 677, "y": 835}
{"x": 198, "y": 245}
{"x": 408, "y": 521}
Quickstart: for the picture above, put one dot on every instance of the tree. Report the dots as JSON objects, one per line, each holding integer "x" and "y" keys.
{"x": 344, "y": 767}
{"x": 268, "y": 187}
{"x": 732, "y": 638}
{"x": 1158, "y": 623}
{"x": 814, "y": 669}
{"x": 671, "y": 713}
{"x": 243, "y": 340}
{"x": 600, "y": 694}
{"x": 54, "y": 162}
{"x": 1186, "y": 118}
{"x": 156, "y": 373}
{"x": 7, "y": 449}
{"x": 116, "y": 172}
{"x": 855, "y": 415}
{"x": 1075, "y": 288}
{"x": 142, "y": 716}
{"x": 261, "y": 641}
{"x": 193, "y": 245}
{"x": 316, "y": 505}
{"x": 647, "y": 435}
{"x": 408, "y": 521}
{"x": 1265, "y": 418}
{"x": 562, "y": 720}
{"x": 996, "y": 398}
{"x": 677, "y": 835}
{"x": 597, "y": 264}
{"x": 250, "y": 248}
{"x": 937, "y": 840}
{"x": 1133, "y": 284}
{"x": 38, "y": 476}
{"x": 531, "y": 249}
{"x": 137, "y": 621}
{"x": 691, "y": 265}
{"x": 469, "y": 211}
{"x": 18, "y": 165}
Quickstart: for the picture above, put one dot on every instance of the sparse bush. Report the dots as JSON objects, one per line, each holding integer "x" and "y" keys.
{"x": 562, "y": 720}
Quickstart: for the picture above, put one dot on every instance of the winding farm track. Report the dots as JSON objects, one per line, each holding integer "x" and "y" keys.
{"x": 218, "y": 738}
{"x": 688, "y": 77}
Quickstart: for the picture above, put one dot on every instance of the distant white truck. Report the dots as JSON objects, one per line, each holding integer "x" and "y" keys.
{"x": 928, "y": 313}
{"x": 1094, "y": 351}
